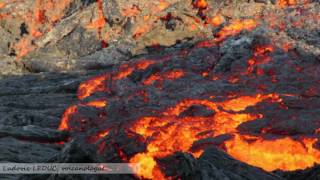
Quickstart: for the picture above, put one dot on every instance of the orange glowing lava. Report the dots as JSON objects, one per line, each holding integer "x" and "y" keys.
{"x": 97, "y": 103}
{"x": 126, "y": 69}
{"x": 100, "y": 21}
{"x": 284, "y": 3}
{"x": 171, "y": 132}
{"x": 201, "y": 4}
{"x": 235, "y": 27}
{"x": 98, "y": 84}
{"x": 92, "y": 85}
{"x": 170, "y": 75}
{"x": 285, "y": 153}
{"x": 261, "y": 56}
{"x": 65, "y": 117}
{"x": 216, "y": 20}
{"x": 2, "y": 4}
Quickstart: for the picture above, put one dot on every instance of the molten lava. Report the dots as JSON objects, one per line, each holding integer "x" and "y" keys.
{"x": 284, "y": 3}
{"x": 201, "y": 4}
{"x": 92, "y": 85}
{"x": 178, "y": 127}
{"x": 171, "y": 132}
{"x": 235, "y": 27}
{"x": 170, "y": 75}
{"x": 216, "y": 20}
{"x": 283, "y": 153}
{"x": 175, "y": 129}
{"x": 65, "y": 117}
{"x": 260, "y": 57}
{"x": 98, "y": 84}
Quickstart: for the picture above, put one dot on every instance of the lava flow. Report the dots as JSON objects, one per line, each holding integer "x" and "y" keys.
{"x": 235, "y": 27}
{"x": 171, "y": 132}
{"x": 178, "y": 128}
{"x": 262, "y": 100}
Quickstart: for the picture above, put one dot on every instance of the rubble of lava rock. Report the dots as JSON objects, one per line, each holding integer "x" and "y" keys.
{"x": 242, "y": 102}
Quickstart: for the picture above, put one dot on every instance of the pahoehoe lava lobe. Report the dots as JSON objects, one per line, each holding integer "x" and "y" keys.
{"x": 261, "y": 110}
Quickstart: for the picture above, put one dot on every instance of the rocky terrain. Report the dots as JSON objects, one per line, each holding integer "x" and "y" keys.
{"x": 197, "y": 89}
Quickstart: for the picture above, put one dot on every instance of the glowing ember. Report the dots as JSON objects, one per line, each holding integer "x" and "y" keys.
{"x": 216, "y": 20}
{"x": 284, "y": 3}
{"x": 2, "y": 5}
{"x": 201, "y": 4}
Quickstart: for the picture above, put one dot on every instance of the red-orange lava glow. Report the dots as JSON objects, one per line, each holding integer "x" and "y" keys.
{"x": 100, "y": 103}
{"x": 201, "y": 4}
{"x": 216, "y": 20}
{"x": 100, "y": 21}
{"x": 126, "y": 69}
{"x": 97, "y": 103}
{"x": 170, "y": 75}
{"x": 65, "y": 117}
{"x": 98, "y": 84}
{"x": 284, "y": 153}
{"x": 2, "y": 4}
{"x": 235, "y": 27}
{"x": 92, "y": 85}
{"x": 171, "y": 132}
{"x": 284, "y": 3}
{"x": 260, "y": 57}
